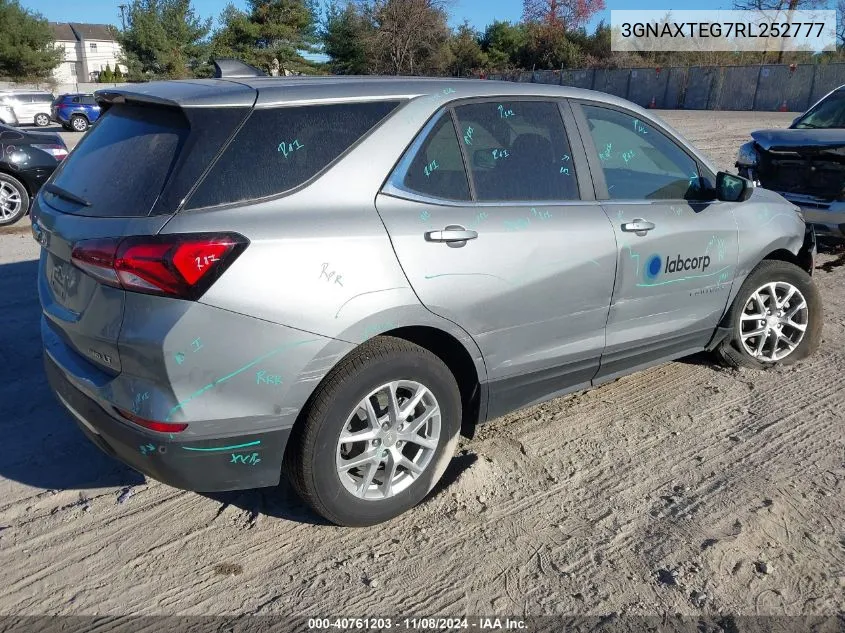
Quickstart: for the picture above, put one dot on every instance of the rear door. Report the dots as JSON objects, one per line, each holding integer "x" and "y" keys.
{"x": 677, "y": 254}
{"x": 519, "y": 255}
{"x": 126, "y": 177}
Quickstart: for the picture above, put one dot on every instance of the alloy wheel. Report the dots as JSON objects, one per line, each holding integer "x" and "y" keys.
{"x": 10, "y": 200}
{"x": 388, "y": 440}
{"x": 42, "y": 120}
{"x": 79, "y": 124}
{"x": 773, "y": 322}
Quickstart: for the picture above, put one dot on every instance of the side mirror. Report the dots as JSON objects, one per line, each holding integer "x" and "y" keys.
{"x": 731, "y": 188}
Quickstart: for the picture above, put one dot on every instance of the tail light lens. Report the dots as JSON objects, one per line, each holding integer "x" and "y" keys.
{"x": 180, "y": 266}
{"x": 59, "y": 152}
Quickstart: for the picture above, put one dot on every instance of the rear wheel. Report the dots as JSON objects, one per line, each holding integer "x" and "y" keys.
{"x": 377, "y": 435}
{"x": 42, "y": 120}
{"x": 78, "y": 123}
{"x": 14, "y": 200}
{"x": 775, "y": 319}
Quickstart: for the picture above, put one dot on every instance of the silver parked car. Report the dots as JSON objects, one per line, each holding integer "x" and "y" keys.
{"x": 31, "y": 107}
{"x": 335, "y": 276}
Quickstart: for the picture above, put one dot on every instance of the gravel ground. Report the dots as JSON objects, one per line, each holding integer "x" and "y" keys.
{"x": 685, "y": 488}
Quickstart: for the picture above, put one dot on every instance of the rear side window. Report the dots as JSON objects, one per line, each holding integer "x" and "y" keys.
{"x": 88, "y": 101}
{"x": 517, "y": 150}
{"x": 437, "y": 168}
{"x": 122, "y": 164}
{"x": 278, "y": 149}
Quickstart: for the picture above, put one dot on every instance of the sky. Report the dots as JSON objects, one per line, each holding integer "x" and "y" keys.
{"x": 479, "y": 12}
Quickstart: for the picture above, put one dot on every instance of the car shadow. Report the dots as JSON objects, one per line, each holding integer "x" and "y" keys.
{"x": 44, "y": 447}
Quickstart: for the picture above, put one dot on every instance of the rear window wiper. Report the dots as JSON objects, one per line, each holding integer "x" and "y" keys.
{"x": 66, "y": 195}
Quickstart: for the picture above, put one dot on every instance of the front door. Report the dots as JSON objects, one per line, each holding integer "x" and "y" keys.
{"x": 511, "y": 254}
{"x": 677, "y": 257}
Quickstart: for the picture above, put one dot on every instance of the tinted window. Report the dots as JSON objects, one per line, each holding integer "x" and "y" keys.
{"x": 42, "y": 98}
{"x": 518, "y": 150}
{"x": 830, "y": 113}
{"x": 121, "y": 165}
{"x": 640, "y": 162}
{"x": 74, "y": 100}
{"x": 437, "y": 167}
{"x": 88, "y": 101}
{"x": 280, "y": 148}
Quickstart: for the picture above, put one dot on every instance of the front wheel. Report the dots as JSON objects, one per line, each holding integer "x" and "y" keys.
{"x": 377, "y": 435}
{"x": 775, "y": 319}
{"x": 42, "y": 120}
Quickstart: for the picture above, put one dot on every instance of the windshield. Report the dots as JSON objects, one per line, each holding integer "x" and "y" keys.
{"x": 830, "y": 113}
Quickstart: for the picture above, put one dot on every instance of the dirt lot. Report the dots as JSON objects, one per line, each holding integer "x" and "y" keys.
{"x": 683, "y": 489}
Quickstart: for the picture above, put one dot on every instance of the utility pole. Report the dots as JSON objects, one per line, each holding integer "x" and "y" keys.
{"x": 122, "y": 8}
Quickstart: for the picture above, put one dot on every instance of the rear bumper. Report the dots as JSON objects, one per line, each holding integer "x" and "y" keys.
{"x": 207, "y": 465}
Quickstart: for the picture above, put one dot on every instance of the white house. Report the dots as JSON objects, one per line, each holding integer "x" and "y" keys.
{"x": 88, "y": 49}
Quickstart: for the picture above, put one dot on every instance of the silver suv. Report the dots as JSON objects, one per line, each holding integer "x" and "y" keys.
{"x": 338, "y": 275}
{"x": 31, "y": 107}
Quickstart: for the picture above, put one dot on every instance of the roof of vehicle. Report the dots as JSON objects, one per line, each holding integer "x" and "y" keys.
{"x": 76, "y": 94}
{"x": 264, "y": 91}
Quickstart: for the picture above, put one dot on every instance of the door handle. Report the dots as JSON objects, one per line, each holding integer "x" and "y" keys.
{"x": 452, "y": 234}
{"x": 638, "y": 226}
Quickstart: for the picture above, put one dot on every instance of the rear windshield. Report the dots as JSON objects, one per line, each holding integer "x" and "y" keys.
{"x": 121, "y": 166}
{"x": 279, "y": 149}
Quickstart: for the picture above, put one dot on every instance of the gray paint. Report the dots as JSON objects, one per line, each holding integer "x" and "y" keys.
{"x": 563, "y": 298}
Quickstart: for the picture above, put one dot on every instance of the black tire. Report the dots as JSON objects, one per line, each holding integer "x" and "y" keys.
{"x": 310, "y": 458}
{"x": 42, "y": 119}
{"x": 16, "y": 184}
{"x": 731, "y": 350}
{"x": 78, "y": 123}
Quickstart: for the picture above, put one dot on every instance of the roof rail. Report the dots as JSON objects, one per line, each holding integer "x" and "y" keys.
{"x": 225, "y": 68}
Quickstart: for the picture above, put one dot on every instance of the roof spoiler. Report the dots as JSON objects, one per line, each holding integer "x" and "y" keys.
{"x": 225, "y": 68}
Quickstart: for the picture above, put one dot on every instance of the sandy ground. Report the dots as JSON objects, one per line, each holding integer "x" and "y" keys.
{"x": 685, "y": 489}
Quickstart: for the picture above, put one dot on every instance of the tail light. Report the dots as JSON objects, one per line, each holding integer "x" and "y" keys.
{"x": 153, "y": 425}
{"x": 59, "y": 152}
{"x": 180, "y": 266}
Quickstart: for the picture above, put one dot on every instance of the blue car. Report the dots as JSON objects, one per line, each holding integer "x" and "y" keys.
{"x": 75, "y": 111}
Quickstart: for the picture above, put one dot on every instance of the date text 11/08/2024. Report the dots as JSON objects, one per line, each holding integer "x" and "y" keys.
{"x": 418, "y": 624}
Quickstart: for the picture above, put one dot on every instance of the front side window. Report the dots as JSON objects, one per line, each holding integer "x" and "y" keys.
{"x": 437, "y": 167}
{"x": 830, "y": 113}
{"x": 517, "y": 150}
{"x": 640, "y": 162}
{"x": 279, "y": 149}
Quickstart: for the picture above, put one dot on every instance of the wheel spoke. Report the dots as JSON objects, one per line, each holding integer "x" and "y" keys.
{"x": 410, "y": 466}
{"x": 753, "y": 317}
{"x": 390, "y": 466}
{"x": 413, "y": 402}
{"x": 794, "y": 310}
{"x": 761, "y": 344}
{"x": 393, "y": 411}
{"x": 801, "y": 327}
{"x": 359, "y": 436}
{"x": 416, "y": 424}
{"x": 366, "y": 457}
{"x": 787, "y": 297}
{"x": 419, "y": 440}
{"x": 372, "y": 416}
{"x": 367, "y": 479}
{"x": 772, "y": 289}
{"x": 752, "y": 334}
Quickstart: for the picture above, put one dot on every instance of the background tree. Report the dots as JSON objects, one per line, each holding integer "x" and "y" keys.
{"x": 106, "y": 75}
{"x": 561, "y": 14}
{"x": 118, "y": 74}
{"x": 267, "y": 30}
{"x": 466, "y": 53}
{"x": 503, "y": 43}
{"x": 346, "y": 34}
{"x": 164, "y": 39}
{"x": 409, "y": 37}
{"x": 27, "y": 48}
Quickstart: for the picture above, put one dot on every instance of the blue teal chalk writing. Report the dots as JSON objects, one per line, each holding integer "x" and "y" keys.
{"x": 431, "y": 167}
{"x": 628, "y": 156}
{"x": 378, "y": 328}
{"x": 222, "y": 448}
{"x": 565, "y": 171}
{"x": 605, "y": 153}
{"x": 425, "y": 216}
{"x": 196, "y": 344}
{"x": 250, "y": 460}
{"x": 566, "y": 158}
{"x": 263, "y": 378}
{"x": 517, "y": 225}
{"x": 139, "y": 398}
{"x": 500, "y": 153}
{"x": 180, "y": 358}
{"x": 240, "y": 370}
{"x": 324, "y": 272}
{"x": 721, "y": 271}
{"x": 468, "y": 136}
{"x": 146, "y": 449}
{"x": 639, "y": 127}
{"x": 541, "y": 215}
{"x": 504, "y": 113}
{"x": 448, "y": 91}
{"x": 361, "y": 294}
{"x": 288, "y": 148}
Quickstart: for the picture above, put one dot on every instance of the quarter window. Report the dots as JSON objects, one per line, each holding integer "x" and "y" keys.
{"x": 640, "y": 162}
{"x": 517, "y": 150}
{"x": 437, "y": 167}
{"x": 279, "y": 149}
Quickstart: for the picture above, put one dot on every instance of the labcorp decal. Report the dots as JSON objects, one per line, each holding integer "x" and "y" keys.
{"x": 690, "y": 263}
